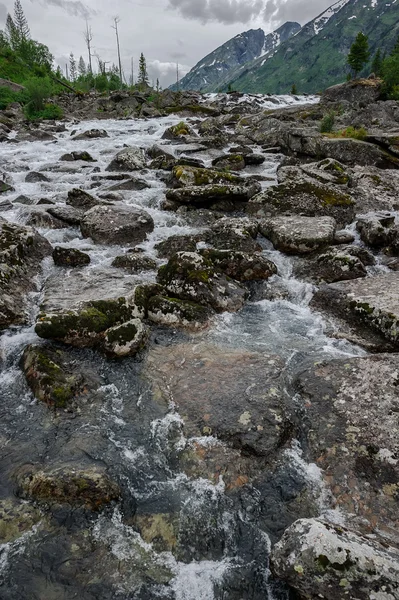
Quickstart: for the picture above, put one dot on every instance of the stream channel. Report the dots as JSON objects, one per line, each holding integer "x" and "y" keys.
{"x": 198, "y": 515}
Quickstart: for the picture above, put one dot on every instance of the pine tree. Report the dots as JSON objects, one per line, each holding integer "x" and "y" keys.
{"x": 21, "y": 22}
{"x": 376, "y": 65}
{"x": 294, "y": 90}
{"x": 143, "y": 75}
{"x": 12, "y": 33}
{"x": 82, "y": 70}
{"x": 73, "y": 73}
{"x": 359, "y": 53}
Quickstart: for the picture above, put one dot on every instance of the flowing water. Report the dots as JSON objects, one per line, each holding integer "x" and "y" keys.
{"x": 212, "y": 538}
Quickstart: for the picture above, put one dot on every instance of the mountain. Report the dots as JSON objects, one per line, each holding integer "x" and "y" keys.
{"x": 315, "y": 57}
{"x": 226, "y": 62}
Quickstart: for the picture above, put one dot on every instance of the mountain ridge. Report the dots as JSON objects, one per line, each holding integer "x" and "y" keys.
{"x": 226, "y": 62}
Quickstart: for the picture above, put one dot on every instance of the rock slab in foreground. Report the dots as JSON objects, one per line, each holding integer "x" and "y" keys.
{"x": 351, "y": 417}
{"x": 321, "y": 560}
{"x": 372, "y": 301}
{"x": 21, "y": 252}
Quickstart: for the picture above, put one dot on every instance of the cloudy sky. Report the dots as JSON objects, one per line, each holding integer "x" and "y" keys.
{"x": 166, "y": 31}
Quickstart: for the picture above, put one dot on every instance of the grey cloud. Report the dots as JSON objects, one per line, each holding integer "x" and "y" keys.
{"x": 278, "y": 12}
{"x": 74, "y": 8}
{"x": 3, "y": 12}
{"x": 221, "y": 11}
{"x": 177, "y": 55}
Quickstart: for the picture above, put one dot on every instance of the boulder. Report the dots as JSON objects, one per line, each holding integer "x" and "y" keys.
{"x": 186, "y": 176}
{"x": 21, "y": 252}
{"x": 126, "y": 339}
{"x": 336, "y": 264}
{"x": 371, "y": 302}
{"x": 130, "y": 184}
{"x": 189, "y": 276}
{"x": 34, "y": 177}
{"x": 52, "y": 378}
{"x": 377, "y": 230}
{"x": 354, "y": 152}
{"x": 366, "y": 91}
{"x": 208, "y": 196}
{"x": 77, "y": 155}
{"x": 322, "y": 560}
{"x": 178, "y": 313}
{"x": 89, "y": 488}
{"x": 349, "y": 415}
{"x": 80, "y": 199}
{"x": 70, "y": 257}
{"x": 241, "y": 266}
{"x": 299, "y": 235}
{"x": 128, "y": 159}
{"x": 67, "y": 214}
{"x": 81, "y": 308}
{"x": 91, "y": 134}
{"x": 178, "y": 132}
{"x": 38, "y": 216}
{"x": 303, "y": 197}
{"x": 134, "y": 262}
{"x": 233, "y": 162}
{"x": 117, "y": 225}
{"x": 11, "y": 85}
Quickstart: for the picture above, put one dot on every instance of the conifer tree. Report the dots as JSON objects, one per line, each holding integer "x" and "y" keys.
{"x": 143, "y": 75}
{"x": 376, "y": 65}
{"x": 359, "y": 53}
{"x": 21, "y": 22}
{"x": 72, "y": 67}
{"x": 12, "y": 33}
{"x": 82, "y": 70}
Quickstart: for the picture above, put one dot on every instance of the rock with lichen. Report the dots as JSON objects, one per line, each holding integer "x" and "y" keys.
{"x": 299, "y": 235}
{"x": 178, "y": 313}
{"x": 303, "y": 197}
{"x": 241, "y": 266}
{"x": 322, "y": 560}
{"x": 190, "y": 276}
{"x": 128, "y": 159}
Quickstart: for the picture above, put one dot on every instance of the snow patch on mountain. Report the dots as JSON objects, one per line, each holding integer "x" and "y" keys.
{"x": 321, "y": 21}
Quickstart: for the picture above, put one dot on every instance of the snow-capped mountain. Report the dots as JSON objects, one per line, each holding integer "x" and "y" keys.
{"x": 227, "y": 61}
{"x": 315, "y": 57}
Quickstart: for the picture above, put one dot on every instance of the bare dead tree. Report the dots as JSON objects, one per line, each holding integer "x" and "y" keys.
{"x": 102, "y": 64}
{"x": 88, "y": 37}
{"x": 115, "y": 26}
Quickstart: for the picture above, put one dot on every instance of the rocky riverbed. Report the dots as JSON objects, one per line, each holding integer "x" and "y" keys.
{"x": 199, "y": 350}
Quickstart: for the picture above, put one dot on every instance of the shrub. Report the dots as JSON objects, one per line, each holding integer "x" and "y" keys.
{"x": 356, "y": 133}
{"x": 50, "y": 112}
{"x": 7, "y": 96}
{"x": 39, "y": 90}
{"x": 327, "y": 123}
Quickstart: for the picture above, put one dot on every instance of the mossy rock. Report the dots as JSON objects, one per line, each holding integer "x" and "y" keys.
{"x": 89, "y": 488}
{"x": 178, "y": 313}
{"x": 49, "y": 377}
{"x": 183, "y": 176}
{"x": 84, "y": 326}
